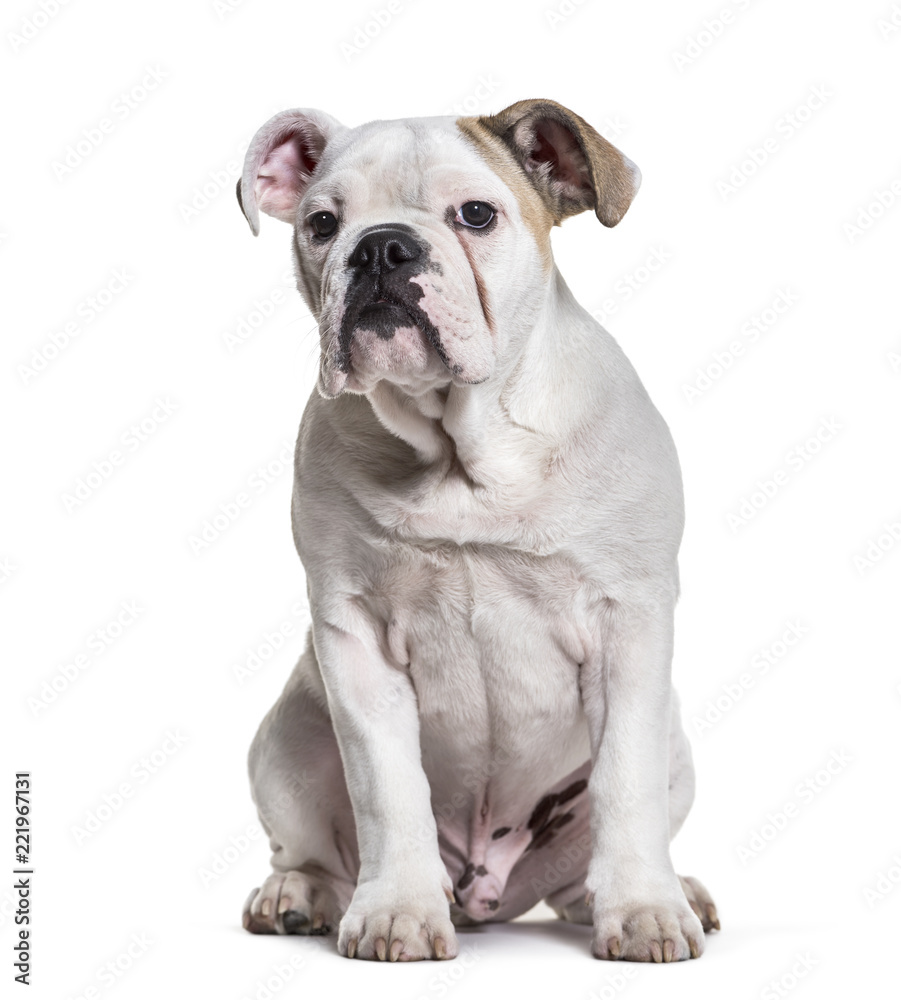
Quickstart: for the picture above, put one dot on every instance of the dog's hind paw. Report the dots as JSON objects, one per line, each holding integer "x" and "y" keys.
{"x": 292, "y": 903}
{"x": 700, "y": 900}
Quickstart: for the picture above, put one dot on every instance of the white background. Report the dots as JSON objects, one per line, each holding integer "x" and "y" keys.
{"x": 832, "y": 362}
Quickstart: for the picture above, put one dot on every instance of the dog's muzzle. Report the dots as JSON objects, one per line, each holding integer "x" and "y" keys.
{"x": 380, "y": 295}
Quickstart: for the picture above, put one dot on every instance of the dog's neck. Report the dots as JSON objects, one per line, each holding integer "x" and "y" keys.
{"x": 525, "y": 411}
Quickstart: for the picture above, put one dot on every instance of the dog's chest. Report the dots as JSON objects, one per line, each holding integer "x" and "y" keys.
{"x": 494, "y": 640}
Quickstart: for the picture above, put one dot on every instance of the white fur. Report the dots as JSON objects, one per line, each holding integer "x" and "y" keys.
{"x": 491, "y": 565}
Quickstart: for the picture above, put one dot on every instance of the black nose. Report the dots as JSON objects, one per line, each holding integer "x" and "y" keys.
{"x": 384, "y": 250}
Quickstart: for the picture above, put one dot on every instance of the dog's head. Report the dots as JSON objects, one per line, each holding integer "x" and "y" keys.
{"x": 422, "y": 245}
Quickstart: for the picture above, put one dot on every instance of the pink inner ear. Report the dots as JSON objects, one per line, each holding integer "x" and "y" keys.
{"x": 555, "y": 146}
{"x": 282, "y": 176}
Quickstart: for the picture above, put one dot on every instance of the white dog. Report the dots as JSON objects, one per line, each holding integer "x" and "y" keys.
{"x": 489, "y": 508}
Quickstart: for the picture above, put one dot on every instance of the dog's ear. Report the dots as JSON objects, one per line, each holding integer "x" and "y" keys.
{"x": 280, "y": 161}
{"x": 572, "y": 166}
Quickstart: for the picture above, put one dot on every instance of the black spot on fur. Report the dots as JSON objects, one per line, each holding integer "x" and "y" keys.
{"x": 493, "y": 904}
{"x": 559, "y": 821}
{"x": 481, "y": 870}
{"x": 541, "y": 812}
{"x": 467, "y": 877}
{"x": 572, "y": 791}
{"x": 546, "y": 832}
{"x": 543, "y": 839}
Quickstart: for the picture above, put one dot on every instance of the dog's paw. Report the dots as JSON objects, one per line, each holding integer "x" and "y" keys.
{"x": 397, "y": 926}
{"x": 700, "y": 901}
{"x": 664, "y": 932}
{"x": 292, "y": 903}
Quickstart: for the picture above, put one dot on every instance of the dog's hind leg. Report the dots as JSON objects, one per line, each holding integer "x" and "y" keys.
{"x": 298, "y": 785}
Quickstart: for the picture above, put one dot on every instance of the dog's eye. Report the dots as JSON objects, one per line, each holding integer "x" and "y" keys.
{"x": 324, "y": 224}
{"x": 475, "y": 214}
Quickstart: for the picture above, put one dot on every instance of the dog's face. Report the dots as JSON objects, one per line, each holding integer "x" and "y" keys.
{"x": 422, "y": 245}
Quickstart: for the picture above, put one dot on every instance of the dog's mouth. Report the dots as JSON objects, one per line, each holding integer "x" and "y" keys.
{"x": 383, "y": 317}
{"x": 380, "y": 308}
{"x": 415, "y": 330}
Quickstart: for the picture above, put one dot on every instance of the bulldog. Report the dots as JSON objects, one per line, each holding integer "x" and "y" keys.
{"x": 488, "y": 508}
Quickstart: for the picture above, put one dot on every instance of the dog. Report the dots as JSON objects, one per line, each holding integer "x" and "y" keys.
{"x": 488, "y": 508}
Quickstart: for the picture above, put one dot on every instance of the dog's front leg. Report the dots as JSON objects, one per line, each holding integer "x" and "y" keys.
{"x": 399, "y": 909}
{"x": 640, "y": 911}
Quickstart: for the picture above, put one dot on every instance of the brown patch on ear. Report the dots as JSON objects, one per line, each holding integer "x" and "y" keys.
{"x": 570, "y": 165}
{"x": 499, "y": 157}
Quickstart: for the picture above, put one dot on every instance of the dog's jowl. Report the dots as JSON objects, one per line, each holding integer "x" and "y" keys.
{"x": 488, "y": 509}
